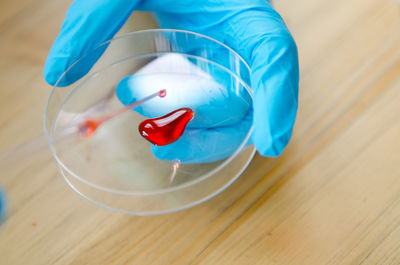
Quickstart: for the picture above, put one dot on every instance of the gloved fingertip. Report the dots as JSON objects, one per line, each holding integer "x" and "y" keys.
{"x": 181, "y": 150}
{"x": 271, "y": 148}
{"x": 169, "y": 153}
{"x": 173, "y": 154}
{"x": 50, "y": 72}
{"x": 65, "y": 68}
{"x": 54, "y": 72}
{"x": 124, "y": 91}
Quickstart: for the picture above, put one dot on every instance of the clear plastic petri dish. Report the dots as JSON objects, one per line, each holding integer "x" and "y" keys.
{"x": 116, "y": 167}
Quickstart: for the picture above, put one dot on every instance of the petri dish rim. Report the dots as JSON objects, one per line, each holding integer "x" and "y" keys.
{"x": 158, "y": 212}
{"x": 158, "y": 191}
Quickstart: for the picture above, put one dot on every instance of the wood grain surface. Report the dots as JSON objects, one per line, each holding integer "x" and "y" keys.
{"x": 333, "y": 197}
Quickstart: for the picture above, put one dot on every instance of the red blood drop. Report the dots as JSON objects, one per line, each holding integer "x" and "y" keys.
{"x": 166, "y": 129}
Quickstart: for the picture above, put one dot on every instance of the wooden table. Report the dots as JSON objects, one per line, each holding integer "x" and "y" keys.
{"x": 333, "y": 197}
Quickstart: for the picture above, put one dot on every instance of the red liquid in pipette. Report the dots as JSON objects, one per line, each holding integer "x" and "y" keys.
{"x": 90, "y": 126}
{"x": 166, "y": 129}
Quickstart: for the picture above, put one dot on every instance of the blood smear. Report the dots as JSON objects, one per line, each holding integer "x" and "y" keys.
{"x": 166, "y": 129}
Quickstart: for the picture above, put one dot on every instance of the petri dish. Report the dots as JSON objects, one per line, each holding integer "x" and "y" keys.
{"x": 116, "y": 168}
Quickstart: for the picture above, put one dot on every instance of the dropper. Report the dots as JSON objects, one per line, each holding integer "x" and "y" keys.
{"x": 89, "y": 126}
{"x": 84, "y": 126}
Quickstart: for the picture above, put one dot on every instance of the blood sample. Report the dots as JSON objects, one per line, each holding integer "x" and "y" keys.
{"x": 166, "y": 129}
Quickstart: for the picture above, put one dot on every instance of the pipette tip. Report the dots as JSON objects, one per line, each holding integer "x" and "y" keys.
{"x": 89, "y": 126}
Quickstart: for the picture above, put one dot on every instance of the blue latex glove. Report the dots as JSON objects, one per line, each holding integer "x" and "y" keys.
{"x": 251, "y": 27}
{"x": 2, "y": 206}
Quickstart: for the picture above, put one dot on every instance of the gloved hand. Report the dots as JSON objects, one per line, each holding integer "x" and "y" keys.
{"x": 251, "y": 27}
